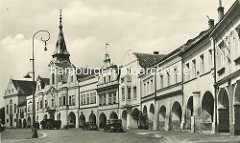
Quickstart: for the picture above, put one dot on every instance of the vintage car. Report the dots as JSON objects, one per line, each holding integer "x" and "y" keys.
{"x": 50, "y": 124}
{"x": 90, "y": 126}
{"x": 114, "y": 125}
{"x": 2, "y": 127}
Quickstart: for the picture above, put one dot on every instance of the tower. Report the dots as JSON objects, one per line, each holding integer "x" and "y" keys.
{"x": 60, "y": 57}
{"x": 107, "y": 59}
{"x": 61, "y": 53}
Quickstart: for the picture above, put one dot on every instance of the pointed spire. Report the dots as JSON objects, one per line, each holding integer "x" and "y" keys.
{"x": 61, "y": 52}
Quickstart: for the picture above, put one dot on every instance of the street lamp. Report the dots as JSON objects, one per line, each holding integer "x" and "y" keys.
{"x": 34, "y": 129}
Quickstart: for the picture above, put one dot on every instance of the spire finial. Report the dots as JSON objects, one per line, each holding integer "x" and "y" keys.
{"x": 60, "y": 19}
{"x": 106, "y": 46}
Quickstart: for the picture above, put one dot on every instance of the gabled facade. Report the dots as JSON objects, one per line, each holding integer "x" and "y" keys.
{"x": 15, "y": 98}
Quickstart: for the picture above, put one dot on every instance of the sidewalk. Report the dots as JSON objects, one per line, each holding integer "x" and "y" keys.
{"x": 186, "y": 137}
{"x": 16, "y": 134}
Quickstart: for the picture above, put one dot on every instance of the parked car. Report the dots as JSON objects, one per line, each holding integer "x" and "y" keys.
{"x": 2, "y": 127}
{"x": 90, "y": 126}
{"x": 114, "y": 125}
{"x": 50, "y": 124}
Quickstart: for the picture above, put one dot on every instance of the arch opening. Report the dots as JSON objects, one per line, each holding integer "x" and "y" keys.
{"x": 161, "y": 117}
{"x": 124, "y": 119}
{"x": 113, "y": 115}
{"x": 72, "y": 120}
{"x": 176, "y": 116}
{"x": 102, "y": 120}
{"x": 82, "y": 121}
{"x": 189, "y": 112}
{"x": 223, "y": 111}
{"x": 92, "y": 118}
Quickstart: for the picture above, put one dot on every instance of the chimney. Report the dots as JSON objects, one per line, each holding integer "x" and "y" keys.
{"x": 156, "y": 52}
{"x": 220, "y": 10}
{"x": 210, "y": 23}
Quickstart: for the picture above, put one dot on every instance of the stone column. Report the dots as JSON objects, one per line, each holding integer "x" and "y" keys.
{"x": 196, "y": 112}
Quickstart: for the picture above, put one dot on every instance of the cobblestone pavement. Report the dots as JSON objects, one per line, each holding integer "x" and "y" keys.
{"x": 13, "y": 135}
{"x": 130, "y": 136}
{"x": 186, "y": 137}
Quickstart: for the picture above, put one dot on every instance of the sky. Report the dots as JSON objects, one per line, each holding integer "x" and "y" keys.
{"x": 127, "y": 25}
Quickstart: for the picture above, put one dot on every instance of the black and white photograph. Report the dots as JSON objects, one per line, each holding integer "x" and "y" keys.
{"x": 119, "y": 71}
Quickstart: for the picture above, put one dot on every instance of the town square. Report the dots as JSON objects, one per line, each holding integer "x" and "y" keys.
{"x": 120, "y": 71}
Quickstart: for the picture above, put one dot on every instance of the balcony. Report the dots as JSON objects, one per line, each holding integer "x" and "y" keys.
{"x": 127, "y": 103}
{"x": 107, "y": 107}
{"x": 112, "y": 84}
{"x": 51, "y": 109}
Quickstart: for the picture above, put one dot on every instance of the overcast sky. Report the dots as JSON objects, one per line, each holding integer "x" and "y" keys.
{"x": 136, "y": 25}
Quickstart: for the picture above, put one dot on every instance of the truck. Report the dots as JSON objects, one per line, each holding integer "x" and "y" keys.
{"x": 50, "y": 124}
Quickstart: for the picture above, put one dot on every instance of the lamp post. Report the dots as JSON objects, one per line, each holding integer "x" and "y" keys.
{"x": 34, "y": 129}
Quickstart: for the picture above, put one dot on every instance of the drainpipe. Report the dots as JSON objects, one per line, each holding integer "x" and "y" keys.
{"x": 155, "y": 91}
{"x": 215, "y": 84}
{"x": 183, "y": 105}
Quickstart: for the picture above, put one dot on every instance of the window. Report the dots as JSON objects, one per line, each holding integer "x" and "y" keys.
{"x": 15, "y": 108}
{"x": 10, "y": 109}
{"x": 110, "y": 98}
{"x": 100, "y": 100}
{"x": 37, "y": 105}
{"x": 104, "y": 99}
{"x": 202, "y": 64}
{"x": 41, "y": 104}
{"x": 129, "y": 92}
{"x": 10, "y": 101}
{"x": 70, "y": 100}
{"x": 210, "y": 58}
{"x": 73, "y": 100}
{"x": 94, "y": 97}
{"x": 104, "y": 79}
{"x": 221, "y": 55}
{"x": 187, "y": 72}
{"x": 52, "y": 102}
{"x": 129, "y": 71}
{"x": 60, "y": 101}
{"x": 168, "y": 78}
{"x": 82, "y": 99}
{"x": 123, "y": 93}
{"x": 53, "y": 79}
{"x": 175, "y": 75}
{"x": 134, "y": 92}
{"x": 152, "y": 87}
{"x": 109, "y": 78}
{"x": 114, "y": 98}
{"x": 46, "y": 104}
{"x": 194, "y": 68}
{"x": 147, "y": 88}
{"x": 71, "y": 78}
{"x": 87, "y": 99}
{"x": 64, "y": 101}
{"x": 7, "y": 109}
{"x": 161, "y": 81}
{"x": 144, "y": 89}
